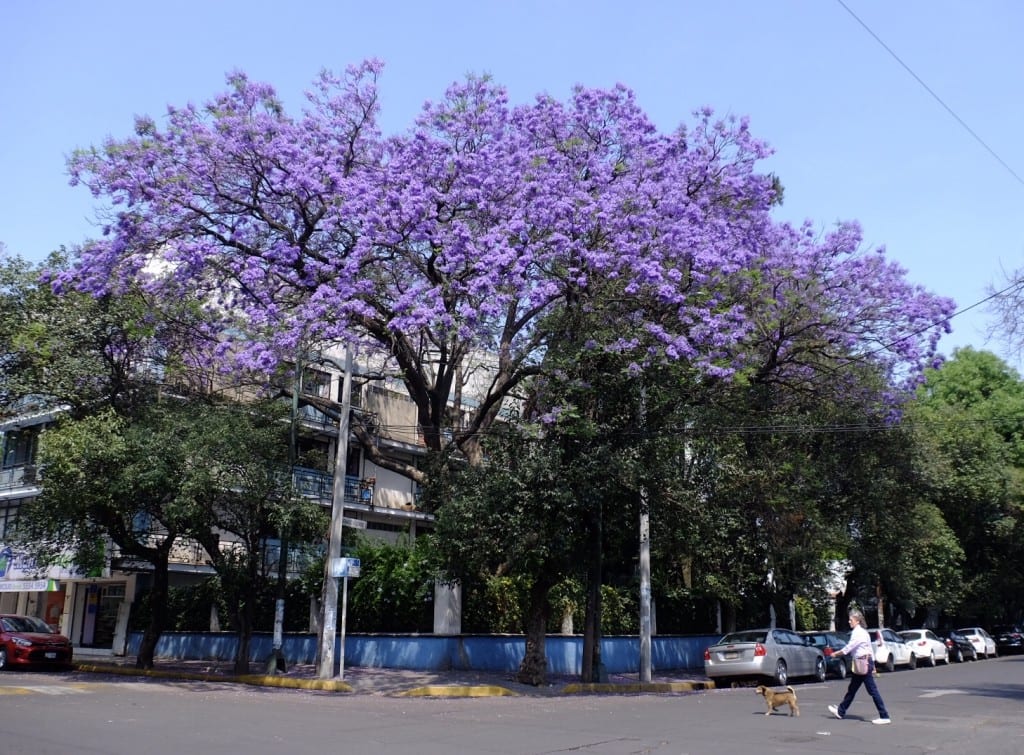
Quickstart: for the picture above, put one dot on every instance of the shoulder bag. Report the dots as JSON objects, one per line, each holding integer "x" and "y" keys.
{"x": 861, "y": 665}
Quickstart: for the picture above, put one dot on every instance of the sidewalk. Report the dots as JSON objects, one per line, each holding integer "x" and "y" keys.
{"x": 397, "y": 682}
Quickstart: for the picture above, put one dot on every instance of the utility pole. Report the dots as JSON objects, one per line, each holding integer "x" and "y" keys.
{"x": 645, "y": 560}
{"x": 277, "y": 662}
{"x": 645, "y": 588}
{"x": 329, "y": 596}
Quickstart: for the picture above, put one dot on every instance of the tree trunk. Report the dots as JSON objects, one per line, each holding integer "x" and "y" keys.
{"x": 157, "y": 616}
{"x": 592, "y": 669}
{"x": 244, "y": 641}
{"x": 534, "y": 667}
{"x": 245, "y": 619}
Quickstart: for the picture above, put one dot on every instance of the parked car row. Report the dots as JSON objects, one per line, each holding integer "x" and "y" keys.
{"x": 781, "y": 654}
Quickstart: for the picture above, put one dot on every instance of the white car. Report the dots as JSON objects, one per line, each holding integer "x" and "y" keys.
{"x": 926, "y": 645}
{"x": 891, "y": 650}
{"x": 983, "y": 643}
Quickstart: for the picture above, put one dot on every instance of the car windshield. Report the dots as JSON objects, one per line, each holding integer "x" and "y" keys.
{"x": 25, "y": 624}
{"x": 736, "y": 637}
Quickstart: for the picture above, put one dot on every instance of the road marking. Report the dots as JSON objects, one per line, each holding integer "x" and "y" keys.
{"x": 49, "y": 689}
{"x": 943, "y": 692}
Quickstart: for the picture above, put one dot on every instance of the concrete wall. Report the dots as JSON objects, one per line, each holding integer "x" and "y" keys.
{"x": 435, "y": 653}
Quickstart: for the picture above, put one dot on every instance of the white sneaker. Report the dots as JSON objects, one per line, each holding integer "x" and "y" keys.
{"x": 881, "y": 721}
{"x": 834, "y": 710}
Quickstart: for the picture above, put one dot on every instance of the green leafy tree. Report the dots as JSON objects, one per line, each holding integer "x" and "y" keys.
{"x": 516, "y": 517}
{"x": 236, "y": 476}
{"x": 109, "y": 480}
{"x": 970, "y": 441}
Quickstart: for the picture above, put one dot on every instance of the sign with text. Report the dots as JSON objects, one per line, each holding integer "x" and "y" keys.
{"x": 345, "y": 567}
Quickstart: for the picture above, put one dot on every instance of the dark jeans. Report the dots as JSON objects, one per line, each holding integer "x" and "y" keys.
{"x": 868, "y": 680}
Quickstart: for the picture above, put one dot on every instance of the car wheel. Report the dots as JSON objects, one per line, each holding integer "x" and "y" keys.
{"x": 819, "y": 669}
{"x": 913, "y": 662}
{"x": 781, "y": 673}
{"x": 890, "y": 663}
{"x": 3, "y": 658}
{"x": 842, "y": 671}
{"x": 958, "y": 655}
{"x": 931, "y": 659}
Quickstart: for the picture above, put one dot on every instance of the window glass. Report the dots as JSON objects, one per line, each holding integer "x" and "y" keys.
{"x": 19, "y": 447}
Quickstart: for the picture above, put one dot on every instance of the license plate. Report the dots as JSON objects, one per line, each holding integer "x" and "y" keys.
{"x": 51, "y": 655}
{"x": 731, "y": 656}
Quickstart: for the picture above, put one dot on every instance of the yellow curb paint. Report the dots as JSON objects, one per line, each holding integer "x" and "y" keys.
{"x": 324, "y": 685}
{"x": 457, "y": 690}
{"x": 633, "y": 689}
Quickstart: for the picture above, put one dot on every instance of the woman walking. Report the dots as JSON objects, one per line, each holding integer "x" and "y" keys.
{"x": 859, "y": 648}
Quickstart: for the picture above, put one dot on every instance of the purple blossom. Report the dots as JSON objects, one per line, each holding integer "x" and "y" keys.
{"x": 462, "y": 234}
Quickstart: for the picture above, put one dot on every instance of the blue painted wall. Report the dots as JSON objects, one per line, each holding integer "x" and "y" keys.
{"x": 436, "y": 653}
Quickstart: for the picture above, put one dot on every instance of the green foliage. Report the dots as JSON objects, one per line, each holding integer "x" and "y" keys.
{"x": 969, "y": 440}
{"x": 494, "y": 605}
{"x": 395, "y": 589}
{"x": 812, "y": 614}
{"x": 620, "y": 610}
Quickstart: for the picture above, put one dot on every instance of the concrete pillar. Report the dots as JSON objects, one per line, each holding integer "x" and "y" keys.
{"x": 447, "y": 609}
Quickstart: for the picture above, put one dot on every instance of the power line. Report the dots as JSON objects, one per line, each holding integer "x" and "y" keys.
{"x": 932, "y": 93}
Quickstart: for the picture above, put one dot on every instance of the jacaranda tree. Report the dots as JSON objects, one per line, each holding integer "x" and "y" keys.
{"x": 458, "y": 249}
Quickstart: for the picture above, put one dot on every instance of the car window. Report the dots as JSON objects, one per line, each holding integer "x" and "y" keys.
{"x": 781, "y": 636}
{"x": 737, "y": 637}
{"x": 25, "y": 624}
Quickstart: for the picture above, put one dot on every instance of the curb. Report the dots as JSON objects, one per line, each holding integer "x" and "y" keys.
{"x": 635, "y": 689}
{"x": 433, "y": 690}
{"x": 258, "y": 680}
{"x": 457, "y": 690}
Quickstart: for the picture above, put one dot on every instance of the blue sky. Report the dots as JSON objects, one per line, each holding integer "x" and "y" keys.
{"x": 856, "y": 136}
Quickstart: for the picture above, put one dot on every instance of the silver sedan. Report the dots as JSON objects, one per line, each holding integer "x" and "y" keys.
{"x": 775, "y": 654}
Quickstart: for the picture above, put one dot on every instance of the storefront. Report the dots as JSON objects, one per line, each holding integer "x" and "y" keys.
{"x": 91, "y": 610}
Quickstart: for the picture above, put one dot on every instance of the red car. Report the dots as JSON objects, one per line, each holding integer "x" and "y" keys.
{"x": 28, "y": 641}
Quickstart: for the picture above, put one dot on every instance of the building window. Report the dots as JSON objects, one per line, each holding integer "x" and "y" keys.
{"x": 20, "y": 447}
{"x": 316, "y": 383}
{"x": 8, "y": 516}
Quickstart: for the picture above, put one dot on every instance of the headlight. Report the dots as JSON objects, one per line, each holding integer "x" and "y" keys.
{"x": 22, "y": 642}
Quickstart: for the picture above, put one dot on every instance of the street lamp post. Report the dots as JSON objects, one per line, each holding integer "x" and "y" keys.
{"x": 329, "y": 595}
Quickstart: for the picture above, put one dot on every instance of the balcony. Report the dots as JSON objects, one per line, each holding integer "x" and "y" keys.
{"x": 22, "y": 476}
{"x": 312, "y": 483}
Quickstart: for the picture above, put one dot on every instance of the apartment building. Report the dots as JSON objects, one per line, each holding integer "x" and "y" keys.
{"x": 93, "y": 609}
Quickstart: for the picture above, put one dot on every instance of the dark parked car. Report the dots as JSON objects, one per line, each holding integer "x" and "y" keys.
{"x": 829, "y": 643}
{"x": 29, "y": 641}
{"x": 1009, "y": 638}
{"x": 960, "y": 648}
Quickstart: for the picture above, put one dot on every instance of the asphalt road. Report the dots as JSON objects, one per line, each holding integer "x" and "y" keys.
{"x": 963, "y": 708}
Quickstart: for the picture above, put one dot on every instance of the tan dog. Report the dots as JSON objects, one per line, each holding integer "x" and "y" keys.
{"x": 777, "y": 698}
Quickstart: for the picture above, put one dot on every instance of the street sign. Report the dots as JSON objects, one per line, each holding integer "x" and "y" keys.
{"x": 356, "y": 524}
{"x": 345, "y": 567}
